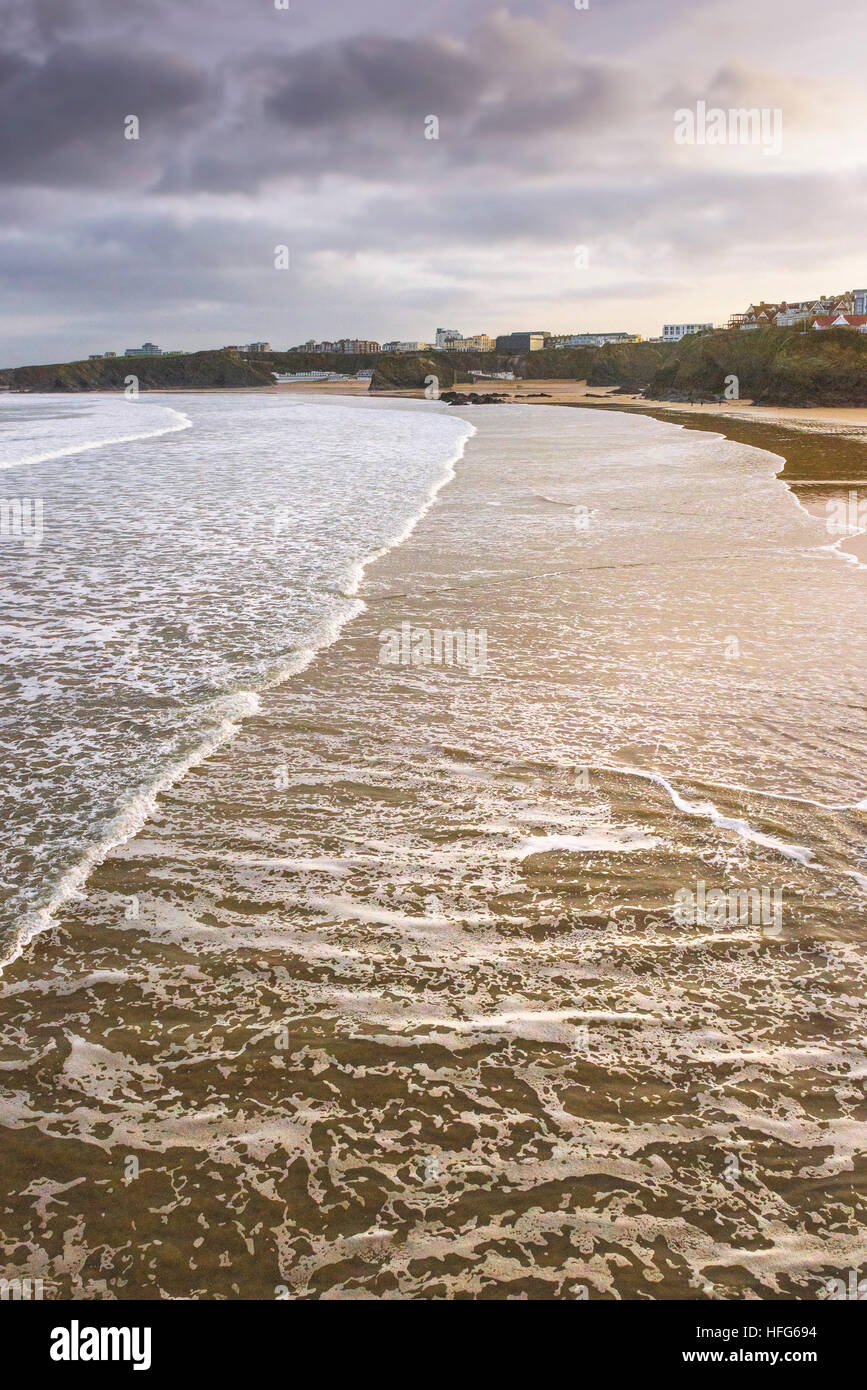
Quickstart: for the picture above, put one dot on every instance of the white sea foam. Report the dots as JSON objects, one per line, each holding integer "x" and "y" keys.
{"x": 225, "y": 565}
{"x": 600, "y": 840}
{"x": 113, "y": 415}
{"x": 800, "y": 853}
{"x": 708, "y": 811}
{"x": 132, "y": 815}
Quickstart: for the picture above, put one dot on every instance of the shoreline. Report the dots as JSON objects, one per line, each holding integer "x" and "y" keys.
{"x": 143, "y": 802}
{"x": 823, "y": 448}
{"x": 841, "y": 457}
{"x": 841, "y": 428}
{"x": 374, "y": 932}
{"x": 797, "y": 448}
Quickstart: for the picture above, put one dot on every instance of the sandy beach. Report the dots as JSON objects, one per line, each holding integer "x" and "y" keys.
{"x": 830, "y": 420}
{"x": 387, "y": 998}
{"x": 823, "y": 451}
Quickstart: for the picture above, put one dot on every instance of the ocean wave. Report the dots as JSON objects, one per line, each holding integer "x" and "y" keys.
{"x": 228, "y": 710}
{"x": 180, "y": 422}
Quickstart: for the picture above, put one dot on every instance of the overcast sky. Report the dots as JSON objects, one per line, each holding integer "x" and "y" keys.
{"x": 305, "y": 127}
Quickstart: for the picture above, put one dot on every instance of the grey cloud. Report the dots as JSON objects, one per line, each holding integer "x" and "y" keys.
{"x": 62, "y": 119}
{"x": 353, "y": 106}
{"x": 306, "y": 127}
{"x": 373, "y": 77}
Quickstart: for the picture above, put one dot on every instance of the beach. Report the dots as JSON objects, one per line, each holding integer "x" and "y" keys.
{"x": 409, "y": 989}
{"x": 822, "y": 450}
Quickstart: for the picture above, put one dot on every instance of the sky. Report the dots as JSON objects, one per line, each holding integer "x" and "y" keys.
{"x": 555, "y": 195}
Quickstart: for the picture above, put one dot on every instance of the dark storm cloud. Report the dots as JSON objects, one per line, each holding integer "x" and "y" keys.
{"x": 306, "y": 127}
{"x": 63, "y": 119}
{"x": 234, "y": 120}
{"x": 374, "y": 78}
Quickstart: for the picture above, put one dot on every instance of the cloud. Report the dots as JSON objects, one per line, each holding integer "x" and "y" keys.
{"x": 373, "y": 78}
{"x": 307, "y": 128}
{"x": 63, "y": 118}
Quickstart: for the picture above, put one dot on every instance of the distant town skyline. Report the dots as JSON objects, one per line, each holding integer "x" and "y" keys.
{"x": 178, "y": 171}
{"x": 847, "y": 310}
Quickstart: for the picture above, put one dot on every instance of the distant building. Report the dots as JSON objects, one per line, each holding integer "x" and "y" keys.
{"x": 445, "y": 335}
{"x": 673, "y": 332}
{"x": 790, "y": 314}
{"x": 480, "y": 343}
{"x": 521, "y": 342}
{"x": 761, "y": 315}
{"x": 363, "y": 345}
{"x": 794, "y": 312}
{"x": 257, "y": 347}
{"x": 146, "y": 350}
{"x": 594, "y": 339}
{"x": 858, "y": 321}
{"x": 410, "y": 346}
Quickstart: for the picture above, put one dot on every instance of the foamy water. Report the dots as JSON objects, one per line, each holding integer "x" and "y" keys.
{"x": 405, "y": 1007}
{"x": 193, "y": 553}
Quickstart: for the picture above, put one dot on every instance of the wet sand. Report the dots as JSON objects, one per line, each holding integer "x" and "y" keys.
{"x": 343, "y": 1021}
{"x": 823, "y": 451}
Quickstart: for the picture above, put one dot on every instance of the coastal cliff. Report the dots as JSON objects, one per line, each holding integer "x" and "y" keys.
{"x": 772, "y": 366}
{"x": 192, "y": 370}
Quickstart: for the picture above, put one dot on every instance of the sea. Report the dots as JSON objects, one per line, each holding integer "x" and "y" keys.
{"x": 345, "y": 964}
{"x": 191, "y": 553}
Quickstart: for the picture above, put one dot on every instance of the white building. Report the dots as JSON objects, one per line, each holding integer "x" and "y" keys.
{"x": 445, "y": 335}
{"x": 673, "y": 332}
{"x": 596, "y": 339}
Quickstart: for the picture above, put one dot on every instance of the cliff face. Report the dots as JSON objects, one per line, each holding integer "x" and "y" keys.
{"x": 773, "y": 367}
{"x": 398, "y": 373}
{"x": 195, "y": 369}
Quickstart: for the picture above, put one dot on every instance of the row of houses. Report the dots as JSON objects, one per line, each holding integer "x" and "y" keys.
{"x": 453, "y": 340}
{"x": 848, "y": 310}
{"x": 365, "y": 345}
{"x": 534, "y": 340}
{"x": 449, "y": 338}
